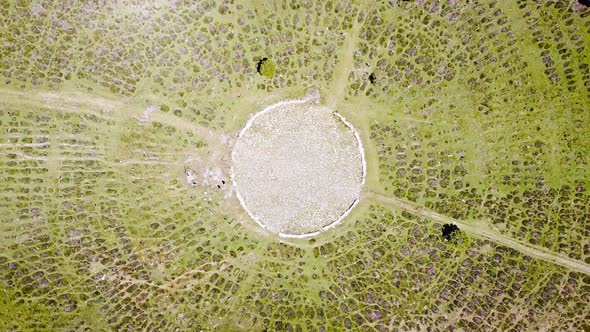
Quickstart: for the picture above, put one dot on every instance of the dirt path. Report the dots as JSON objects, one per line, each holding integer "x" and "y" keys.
{"x": 344, "y": 67}
{"x": 483, "y": 231}
{"x": 76, "y": 102}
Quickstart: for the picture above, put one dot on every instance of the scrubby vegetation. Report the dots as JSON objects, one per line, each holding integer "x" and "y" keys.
{"x": 116, "y": 120}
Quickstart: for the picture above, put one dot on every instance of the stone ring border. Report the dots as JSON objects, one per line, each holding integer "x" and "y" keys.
{"x": 361, "y": 151}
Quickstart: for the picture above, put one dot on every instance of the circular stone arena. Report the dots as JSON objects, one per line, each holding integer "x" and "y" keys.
{"x": 298, "y": 168}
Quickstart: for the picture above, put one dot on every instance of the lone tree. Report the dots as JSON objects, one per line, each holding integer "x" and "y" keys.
{"x": 266, "y": 67}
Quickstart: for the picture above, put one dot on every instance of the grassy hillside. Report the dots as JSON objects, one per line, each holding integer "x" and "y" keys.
{"x": 117, "y": 121}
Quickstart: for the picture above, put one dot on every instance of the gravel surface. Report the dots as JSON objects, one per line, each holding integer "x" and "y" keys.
{"x": 298, "y": 168}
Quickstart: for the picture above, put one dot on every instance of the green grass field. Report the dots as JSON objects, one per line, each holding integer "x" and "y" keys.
{"x": 117, "y": 122}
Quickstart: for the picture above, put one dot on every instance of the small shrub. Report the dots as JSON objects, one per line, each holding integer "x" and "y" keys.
{"x": 266, "y": 67}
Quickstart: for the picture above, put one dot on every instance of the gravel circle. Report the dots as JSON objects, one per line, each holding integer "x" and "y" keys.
{"x": 298, "y": 168}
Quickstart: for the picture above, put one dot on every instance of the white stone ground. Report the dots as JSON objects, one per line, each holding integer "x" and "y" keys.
{"x": 298, "y": 168}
